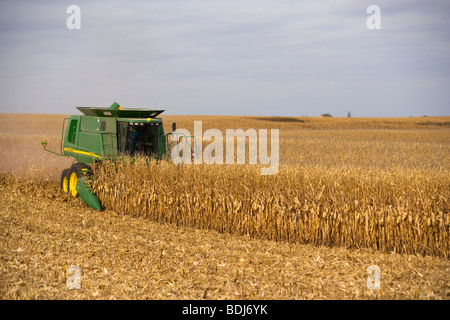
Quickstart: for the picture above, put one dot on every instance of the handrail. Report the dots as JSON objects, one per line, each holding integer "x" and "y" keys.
{"x": 62, "y": 134}
{"x": 183, "y": 135}
{"x": 61, "y": 154}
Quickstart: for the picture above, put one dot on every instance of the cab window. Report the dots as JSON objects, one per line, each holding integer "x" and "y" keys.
{"x": 72, "y": 131}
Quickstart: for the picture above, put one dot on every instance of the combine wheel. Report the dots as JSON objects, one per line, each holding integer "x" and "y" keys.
{"x": 65, "y": 181}
{"x": 75, "y": 173}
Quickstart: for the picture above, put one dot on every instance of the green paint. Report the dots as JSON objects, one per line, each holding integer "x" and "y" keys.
{"x": 110, "y": 133}
{"x": 106, "y": 132}
{"x": 87, "y": 195}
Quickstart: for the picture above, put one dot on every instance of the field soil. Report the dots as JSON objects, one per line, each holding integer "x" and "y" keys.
{"x": 44, "y": 233}
{"x": 120, "y": 257}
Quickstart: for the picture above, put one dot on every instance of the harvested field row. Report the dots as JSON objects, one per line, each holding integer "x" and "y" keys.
{"x": 42, "y": 233}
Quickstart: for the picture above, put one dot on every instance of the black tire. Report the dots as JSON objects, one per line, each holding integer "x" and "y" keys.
{"x": 65, "y": 181}
{"x": 75, "y": 173}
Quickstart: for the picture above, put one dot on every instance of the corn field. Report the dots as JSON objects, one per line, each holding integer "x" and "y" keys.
{"x": 376, "y": 186}
{"x": 402, "y": 211}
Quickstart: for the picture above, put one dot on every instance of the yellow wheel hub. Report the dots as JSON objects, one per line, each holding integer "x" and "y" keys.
{"x": 73, "y": 184}
{"x": 66, "y": 185}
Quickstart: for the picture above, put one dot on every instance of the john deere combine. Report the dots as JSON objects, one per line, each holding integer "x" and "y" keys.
{"x": 106, "y": 133}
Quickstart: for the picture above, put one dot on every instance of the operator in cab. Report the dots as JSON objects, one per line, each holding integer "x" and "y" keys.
{"x": 135, "y": 138}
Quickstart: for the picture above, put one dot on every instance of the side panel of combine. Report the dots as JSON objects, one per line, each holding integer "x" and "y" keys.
{"x": 71, "y": 137}
{"x": 97, "y": 138}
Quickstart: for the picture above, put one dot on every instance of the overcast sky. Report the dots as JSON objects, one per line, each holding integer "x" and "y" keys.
{"x": 264, "y": 57}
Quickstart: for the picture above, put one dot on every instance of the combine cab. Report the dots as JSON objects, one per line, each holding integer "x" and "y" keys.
{"x": 107, "y": 133}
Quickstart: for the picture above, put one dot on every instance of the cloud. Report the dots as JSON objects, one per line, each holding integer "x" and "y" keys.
{"x": 202, "y": 57}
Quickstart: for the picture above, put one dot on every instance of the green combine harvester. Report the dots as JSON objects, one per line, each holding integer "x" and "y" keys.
{"x": 107, "y": 133}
